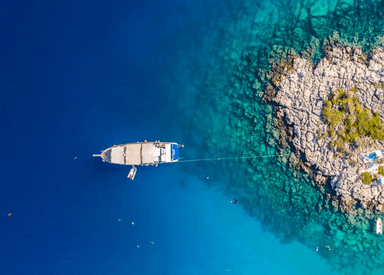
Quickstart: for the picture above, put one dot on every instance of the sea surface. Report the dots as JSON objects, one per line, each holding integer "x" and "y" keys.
{"x": 79, "y": 76}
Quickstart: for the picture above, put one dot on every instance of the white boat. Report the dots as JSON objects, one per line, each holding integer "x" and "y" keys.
{"x": 379, "y": 226}
{"x": 141, "y": 153}
{"x": 132, "y": 173}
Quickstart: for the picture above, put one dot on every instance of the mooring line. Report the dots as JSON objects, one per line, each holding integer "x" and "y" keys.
{"x": 266, "y": 156}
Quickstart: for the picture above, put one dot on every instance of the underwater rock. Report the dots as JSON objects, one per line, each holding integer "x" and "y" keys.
{"x": 301, "y": 88}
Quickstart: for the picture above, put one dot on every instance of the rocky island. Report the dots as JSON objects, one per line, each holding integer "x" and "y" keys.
{"x": 332, "y": 113}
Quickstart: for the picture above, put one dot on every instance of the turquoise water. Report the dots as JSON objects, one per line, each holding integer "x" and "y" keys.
{"x": 237, "y": 123}
{"x": 81, "y": 76}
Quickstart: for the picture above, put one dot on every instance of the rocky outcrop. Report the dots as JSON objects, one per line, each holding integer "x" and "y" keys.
{"x": 300, "y": 89}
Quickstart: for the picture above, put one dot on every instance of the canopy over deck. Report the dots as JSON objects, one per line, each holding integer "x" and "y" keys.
{"x": 141, "y": 153}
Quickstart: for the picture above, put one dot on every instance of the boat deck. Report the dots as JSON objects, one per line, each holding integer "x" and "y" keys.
{"x": 143, "y": 153}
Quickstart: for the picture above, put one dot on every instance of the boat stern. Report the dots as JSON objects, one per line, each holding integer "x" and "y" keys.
{"x": 175, "y": 152}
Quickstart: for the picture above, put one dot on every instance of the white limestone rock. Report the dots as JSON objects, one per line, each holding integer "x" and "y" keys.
{"x": 302, "y": 93}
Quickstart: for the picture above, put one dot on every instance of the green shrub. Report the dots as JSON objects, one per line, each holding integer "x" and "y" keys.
{"x": 381, "y": 170}
{"x": 331, "y": 132}
{"x": 353, "y": 136}
{"x": 355, "y": 120}
{"x": 341, "y": 93}
{"x": 349, "y": 120}
{"x": 355, "y": 90}
{"x": 331, "y": 116}
{"x": 367, "y": 178}
{"x": 327, "y": 103}
{"x": 358, "y": 109}
{"x": 341, "y": 133}
{"x": 337, "y": 95}
{"x": 347, "y": 105}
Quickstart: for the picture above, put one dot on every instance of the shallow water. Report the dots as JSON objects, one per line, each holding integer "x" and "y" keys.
{"x": 285, "y": 200}
{"x": 80, "y": 77}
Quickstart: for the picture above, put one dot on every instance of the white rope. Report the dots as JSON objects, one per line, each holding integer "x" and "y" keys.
{"x": 266, "y": 156}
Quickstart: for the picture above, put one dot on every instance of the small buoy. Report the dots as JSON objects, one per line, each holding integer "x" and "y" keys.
{"x": 9, "y": 214}
{"x": 207, "y": 178}
{"x": 75, "y": 158}
{"x": 137, "y": 245}
{"x": 133, "y": 223}
{"x": 119, "y": 220}
{"x": 152, "y": 243}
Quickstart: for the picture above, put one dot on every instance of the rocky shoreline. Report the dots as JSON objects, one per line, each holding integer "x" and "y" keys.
{"x": 321, "y": 107}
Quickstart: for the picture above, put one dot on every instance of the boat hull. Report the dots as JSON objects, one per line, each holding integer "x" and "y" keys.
{"x": 141, "y": 153}
{"x": 379, "y": 226}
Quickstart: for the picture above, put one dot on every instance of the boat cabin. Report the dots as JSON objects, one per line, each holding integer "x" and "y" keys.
{"x": 141, "y": 153}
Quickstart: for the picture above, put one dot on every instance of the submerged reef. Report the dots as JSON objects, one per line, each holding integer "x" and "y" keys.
{"x": 334, "y": 111}
{"x": 287, "y": 194}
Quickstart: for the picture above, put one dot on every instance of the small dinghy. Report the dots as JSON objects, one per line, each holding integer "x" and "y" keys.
{"x": 379, "y": 226}
{"x": 132, "y": 173}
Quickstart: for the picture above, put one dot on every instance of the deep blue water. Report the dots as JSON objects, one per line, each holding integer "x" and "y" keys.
{"x": 78, "y": 77}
